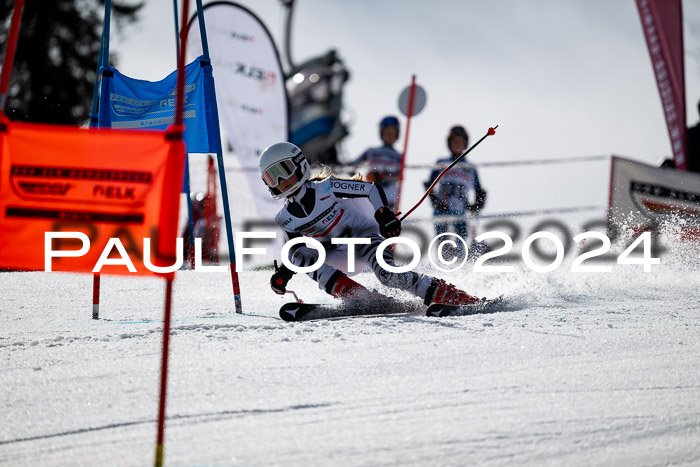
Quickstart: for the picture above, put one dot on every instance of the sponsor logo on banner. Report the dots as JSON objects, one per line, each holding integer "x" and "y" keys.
{"x": 46, "y": 183}
{"x": 256, "y": 73}
{"x": 150, "y": 113}
{"x": 241, "y": 36}
{"x": 657, "y": 201}
{"x": 251, "y": 109}
{"x": 643, "y": 195}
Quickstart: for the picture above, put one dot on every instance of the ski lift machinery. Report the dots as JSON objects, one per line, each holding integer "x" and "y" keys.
{"x": 315, "y": 90}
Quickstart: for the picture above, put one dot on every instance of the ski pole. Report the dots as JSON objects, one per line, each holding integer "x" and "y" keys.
{"x": 297, "y": 299}
{"x": 491, "y": 131}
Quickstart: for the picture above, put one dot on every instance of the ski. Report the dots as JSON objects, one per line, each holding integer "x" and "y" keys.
{"x": 296, "y": 311}
{"x": 483, "y": 306}
{"x": 310, "y": 311}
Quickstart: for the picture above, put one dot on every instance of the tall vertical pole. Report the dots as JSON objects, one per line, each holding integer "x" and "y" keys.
{"x": 178, "y": 132}
{"x": 411, "y": 100}
{"x": 160, "y": 448}
{"x": 102, "y": 61}
{"x": 220, "y": 162}
{"x": 10, "y": 53}
{"x": 186, "y": 178}
{"x": 94, "y": 122}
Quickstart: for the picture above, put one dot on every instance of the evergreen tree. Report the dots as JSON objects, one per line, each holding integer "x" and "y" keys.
{"x": 53, "y": 75}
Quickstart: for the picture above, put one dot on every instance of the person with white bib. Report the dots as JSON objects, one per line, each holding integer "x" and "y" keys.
{"x": 324, "y": 207}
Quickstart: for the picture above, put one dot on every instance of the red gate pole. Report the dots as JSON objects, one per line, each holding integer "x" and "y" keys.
{"x": 411, "y": 100}
{"x": 10, "y": 53}
{"x": 164, "y": 374}
{"x": 177, "y": 129}
{"x": 96, "y": 296}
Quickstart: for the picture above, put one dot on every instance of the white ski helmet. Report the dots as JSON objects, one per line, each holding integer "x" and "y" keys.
{"x": 279, "y": 162}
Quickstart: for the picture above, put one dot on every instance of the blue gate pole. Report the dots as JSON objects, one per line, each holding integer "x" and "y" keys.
{"x": 216, "y": 139}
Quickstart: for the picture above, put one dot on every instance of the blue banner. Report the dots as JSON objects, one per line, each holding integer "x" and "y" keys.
{"x": 136, "y": 104}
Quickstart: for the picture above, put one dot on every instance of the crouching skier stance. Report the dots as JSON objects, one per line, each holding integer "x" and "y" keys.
{"x": 324, "y": 207}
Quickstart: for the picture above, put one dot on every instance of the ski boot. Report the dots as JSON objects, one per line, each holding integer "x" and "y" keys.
{"x": 344, "y": 288}
{"x": 447, "y": 294}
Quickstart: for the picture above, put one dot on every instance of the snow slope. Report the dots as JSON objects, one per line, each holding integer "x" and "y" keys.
{"x": 581, "y": 369}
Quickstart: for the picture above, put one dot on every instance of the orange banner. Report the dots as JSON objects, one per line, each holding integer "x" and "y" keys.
{"x": 70, "y": 198}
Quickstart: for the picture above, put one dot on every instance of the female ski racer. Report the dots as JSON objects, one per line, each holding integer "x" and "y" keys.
{"x": 325, "y": 207}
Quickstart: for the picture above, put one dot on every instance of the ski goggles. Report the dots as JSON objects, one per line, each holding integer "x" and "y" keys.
{"x": 280, "y": 170}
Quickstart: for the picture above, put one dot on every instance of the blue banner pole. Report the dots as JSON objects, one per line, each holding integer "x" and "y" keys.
{"x": 215, "y": 139}
{"x": 177, "y": 32}
{"x": 186, "y": 173}
{"x": 105, "y": 33}
{"x": 94, "y": 117}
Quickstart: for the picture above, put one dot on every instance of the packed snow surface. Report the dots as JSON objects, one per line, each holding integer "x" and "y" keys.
{"x": 579, "y": 369}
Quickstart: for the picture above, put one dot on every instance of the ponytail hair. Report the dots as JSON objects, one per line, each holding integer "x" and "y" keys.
{"x": 327, "y": 172}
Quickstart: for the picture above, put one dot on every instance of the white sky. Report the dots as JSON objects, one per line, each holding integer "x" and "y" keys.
{"x": 562, "y": 78}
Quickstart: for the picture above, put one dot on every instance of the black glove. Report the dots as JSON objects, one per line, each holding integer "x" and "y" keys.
{"x": 279, "y": 279}
{"x": 389, "y": 223}
{"x": 480, "y": 201}
{"x": 438, "y": 203}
